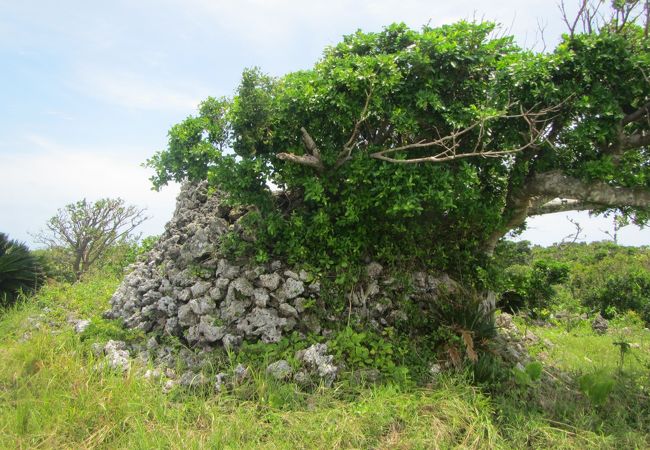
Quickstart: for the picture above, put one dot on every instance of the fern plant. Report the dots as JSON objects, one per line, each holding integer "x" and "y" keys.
{"x": 20, "y": 271}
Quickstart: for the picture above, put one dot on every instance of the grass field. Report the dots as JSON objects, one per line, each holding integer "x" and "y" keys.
{"x": 53, "y": 394}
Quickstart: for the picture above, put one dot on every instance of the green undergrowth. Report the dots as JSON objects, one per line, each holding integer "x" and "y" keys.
{"x": 54, "y": 394}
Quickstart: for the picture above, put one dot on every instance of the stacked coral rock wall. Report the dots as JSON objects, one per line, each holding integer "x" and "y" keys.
{"x": 186, "y": 288}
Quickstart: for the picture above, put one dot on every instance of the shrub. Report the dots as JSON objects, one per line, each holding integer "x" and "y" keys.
{"x": 623, "y": 292}
{"x": 20, "y": 271}
{"x": 531, "y": 287}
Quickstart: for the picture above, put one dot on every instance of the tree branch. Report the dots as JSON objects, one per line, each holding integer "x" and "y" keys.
{"x": 311, "y": 159}
{"x": 636, "y": 115}
{"x": 309, "y": 143}
{"x": 303, "y": 160}
{"x": 635, "y": 141}
{"x": 556, "y": 184}
{"x": 537, "y": 122}
{"x": 562, "y": 205}
{"x": 344, "y": 155}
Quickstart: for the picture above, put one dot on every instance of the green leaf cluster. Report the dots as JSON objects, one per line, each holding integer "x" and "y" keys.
{"x": 398, "y": 87}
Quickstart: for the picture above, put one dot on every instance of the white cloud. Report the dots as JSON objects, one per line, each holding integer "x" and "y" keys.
{"x": 38, "y": 182}
{"x": 130, "y": 90}
{"x": 290, "y": 22}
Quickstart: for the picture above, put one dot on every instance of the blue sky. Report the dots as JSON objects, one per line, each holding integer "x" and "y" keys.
{"x": 88, "y": 90}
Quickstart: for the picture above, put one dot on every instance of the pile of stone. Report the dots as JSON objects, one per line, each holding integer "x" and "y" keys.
{"x": 187, "y": 288}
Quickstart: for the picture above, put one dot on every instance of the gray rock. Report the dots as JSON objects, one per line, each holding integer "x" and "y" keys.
{"x": 287, "y": 310}
{"x": 291, "y": 288}
{"x": 301, "y": 377}
{"x": 222, "y": 283}
{"x": 152, "y": 344}
{"x": 241, "y": 286}
{"x": 218, "y": 226}
{"x": 299, "y": 304}
{"x": 373, "y": 270}
{"x": 231, "y": 341}
{"x": 233, "y": 309}
{"x": 153, "y": 374}
{"x": 600, "y": 324}
{"x": 168, "y": 306}
{"x": 191, "y": 379}
{"x": 291, "y": 274}
{"x": 210, "y": 331}
{"x": 117, "y": 356}
{"x": 263, "y": 323}
{"x": 200, "y": 288}
{"x": 186, "y": 316}
{"x": 269, "y": 281}
{"x": 169, "y": 386}
{"x": 226, "y": 270}
{"x": 316, "y": 358}
{"x": 202, "y": 305}
{"x": 185, "y": 295}
{"x": 261, "y": 297}
{"x": 97, "y": 349}
{"x": 241, "y": 373}
{"x": 280, "y": 370}
{"x": 197, "y": 247}
{"x": 217, "y": 293}
{"x": 81, "y": 326}
{"x": 220, "y": 382}
{"x": 172, "y": 327}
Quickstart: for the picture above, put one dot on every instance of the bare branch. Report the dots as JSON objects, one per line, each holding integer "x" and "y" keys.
{"x": 87, "y": 230}
{"x": 537, "y": 122}
{"x": 311, "y": 159}
{"x": 309, "y": 143}
{"x": 345, "y": 154}
{"x": 575, "y": 235}
{"x": 303, "y": 160}
{"x": 573, "y": 23}
{"x": 593, "y": 15}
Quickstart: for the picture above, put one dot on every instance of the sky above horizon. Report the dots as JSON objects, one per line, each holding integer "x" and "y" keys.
{"x": 89, "y": 90}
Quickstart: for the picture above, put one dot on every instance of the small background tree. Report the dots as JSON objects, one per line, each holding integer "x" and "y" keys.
{"x": 83, "y": 233}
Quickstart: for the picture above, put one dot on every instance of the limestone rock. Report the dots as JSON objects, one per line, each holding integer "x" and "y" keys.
{"x": 270, "y": 281}
{"x": 600, "y": 324}
{"x": 316, "y": 358}
{"x": 280, "y": 370}
{"x": 117, "y": 356}
{"x": 291, "y": 288}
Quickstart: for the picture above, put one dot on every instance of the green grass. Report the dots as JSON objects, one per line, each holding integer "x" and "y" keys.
{"x": 52, "y": 395}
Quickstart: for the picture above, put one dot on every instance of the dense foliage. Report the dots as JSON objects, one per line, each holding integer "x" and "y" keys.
{"x": 425, "y": 147}
{"x": 599, "y": 277}
{"x": 20, "y": 270}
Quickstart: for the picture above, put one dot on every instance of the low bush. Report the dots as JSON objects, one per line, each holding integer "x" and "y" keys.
{"x": 20, "y": 271}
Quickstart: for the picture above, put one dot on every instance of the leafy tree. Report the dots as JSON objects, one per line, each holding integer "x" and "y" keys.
{"x": 427, "y": 147}
{"x": 20, "y": 271}
{"x": 82, "y": 233}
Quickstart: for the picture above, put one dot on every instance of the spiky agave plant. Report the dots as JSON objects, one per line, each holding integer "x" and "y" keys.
{"x": 20, "y": 271}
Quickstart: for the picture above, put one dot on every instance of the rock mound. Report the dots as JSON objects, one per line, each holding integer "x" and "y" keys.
{"x": 187, "y": 288}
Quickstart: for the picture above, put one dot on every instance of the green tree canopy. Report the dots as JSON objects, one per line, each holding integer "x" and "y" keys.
{"x": 426, "y": 147}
